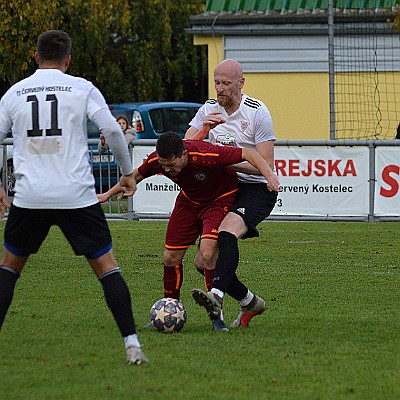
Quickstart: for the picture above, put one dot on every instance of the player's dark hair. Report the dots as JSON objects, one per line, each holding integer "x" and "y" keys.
{"x": 170, "y": 145}
{"x": 54, "y": 46}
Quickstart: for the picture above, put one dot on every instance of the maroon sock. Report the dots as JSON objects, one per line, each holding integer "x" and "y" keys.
{"x": 173, "y": 277}
{"x": 208, "y": 278}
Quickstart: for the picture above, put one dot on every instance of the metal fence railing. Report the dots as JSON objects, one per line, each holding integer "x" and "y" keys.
{"x": 106, "y": 173}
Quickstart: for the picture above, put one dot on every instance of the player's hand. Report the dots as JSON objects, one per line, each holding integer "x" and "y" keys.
{"x": 128, "y": 186}
{"x": 212, "y": 120}
{"x": 273, "y": 184}
{"x": 102, "y": 197}
{"x": 4, "y": 204}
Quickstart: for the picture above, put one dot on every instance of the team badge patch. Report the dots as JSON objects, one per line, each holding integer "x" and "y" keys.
{"x": 200, "y": 176}
{"x": 244, "y": 125}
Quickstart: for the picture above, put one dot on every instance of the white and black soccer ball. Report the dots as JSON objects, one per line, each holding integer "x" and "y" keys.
{"x": 168, "y": 315}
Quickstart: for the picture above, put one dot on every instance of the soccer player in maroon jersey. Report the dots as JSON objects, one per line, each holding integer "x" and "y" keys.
{"x": 207, "y": 192}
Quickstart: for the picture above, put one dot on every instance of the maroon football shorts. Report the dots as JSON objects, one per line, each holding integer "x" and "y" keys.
{"x": 188, "y": 221}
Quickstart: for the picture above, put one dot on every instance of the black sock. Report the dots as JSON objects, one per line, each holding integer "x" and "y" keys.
{"x": 237, "y": 289}
{"x": 118, "y": 300}
{"x": 8, "y": 279}
{"x": 227, "y": 262}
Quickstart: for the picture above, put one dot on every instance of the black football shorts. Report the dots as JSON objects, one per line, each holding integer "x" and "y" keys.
{"x": 85, "y": 228}
{"x": 254, "y": 203}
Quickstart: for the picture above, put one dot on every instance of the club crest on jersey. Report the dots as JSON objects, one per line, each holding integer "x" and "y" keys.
{"x": 226, "y": 140}
{"x": 200, "y": 176}
{"x": 244, "y": 125}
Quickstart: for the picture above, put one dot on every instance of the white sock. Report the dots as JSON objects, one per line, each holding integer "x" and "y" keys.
{"x": 247, "y": 300}
{"x": 131, "y": 341}
{"x": 218, "y": 292}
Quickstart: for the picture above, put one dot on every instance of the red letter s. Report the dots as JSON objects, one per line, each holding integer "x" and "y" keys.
{"x": 394, "y": 185}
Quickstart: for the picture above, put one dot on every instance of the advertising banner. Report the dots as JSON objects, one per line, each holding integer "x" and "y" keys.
{"x": 387, "y": 173}
{"x": 318, "y": 181}
{"x": 322, "y": 181}
{"x": 154, "y": 195}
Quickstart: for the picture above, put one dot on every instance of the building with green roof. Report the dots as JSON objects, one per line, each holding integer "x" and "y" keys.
{"x": 308, "y": 72}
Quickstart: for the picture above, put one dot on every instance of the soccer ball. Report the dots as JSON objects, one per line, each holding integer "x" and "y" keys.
{"x": 168, "y": 315}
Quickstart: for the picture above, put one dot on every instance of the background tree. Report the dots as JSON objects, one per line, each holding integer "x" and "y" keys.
{"x": 132, "y": 50}
{"x": 21, "y": 23}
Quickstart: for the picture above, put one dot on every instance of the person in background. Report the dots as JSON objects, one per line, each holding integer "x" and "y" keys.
{"x": 129, "y": 134}
{"x": 235, "y": 119}
{"x": 47, "y": 114}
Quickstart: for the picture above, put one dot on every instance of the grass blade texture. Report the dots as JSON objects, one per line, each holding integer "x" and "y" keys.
{"x": 331, "y": 331}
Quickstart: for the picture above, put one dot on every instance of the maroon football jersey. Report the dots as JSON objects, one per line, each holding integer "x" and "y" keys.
{"x": 204, "y": 179}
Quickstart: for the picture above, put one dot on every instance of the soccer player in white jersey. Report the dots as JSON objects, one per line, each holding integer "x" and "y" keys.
{"x": 235, "y": 119}
{"x": 47, "y": 114}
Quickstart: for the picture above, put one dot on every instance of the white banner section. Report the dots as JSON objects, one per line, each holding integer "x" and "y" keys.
{"x": 322, "y": 181}
{"x": 319, "y": 181}
{"x": 154, "y": 195}
{"x": 387, "y": 172}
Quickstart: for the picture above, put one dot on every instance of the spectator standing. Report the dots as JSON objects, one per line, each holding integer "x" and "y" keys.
{"x": 129, "y": 134}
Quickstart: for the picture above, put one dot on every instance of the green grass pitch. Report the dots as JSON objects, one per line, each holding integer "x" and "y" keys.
{"x": 332, "y": 330}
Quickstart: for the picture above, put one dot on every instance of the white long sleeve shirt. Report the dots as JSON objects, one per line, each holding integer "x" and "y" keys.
{"x": 47, "y": 115}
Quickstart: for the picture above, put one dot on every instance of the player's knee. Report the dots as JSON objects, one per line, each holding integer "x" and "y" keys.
{"x": 207, "y": 258}
{"x": 172, "y": 259}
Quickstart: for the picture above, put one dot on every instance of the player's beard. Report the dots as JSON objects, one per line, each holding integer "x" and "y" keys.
{"x": 224, "y": 100}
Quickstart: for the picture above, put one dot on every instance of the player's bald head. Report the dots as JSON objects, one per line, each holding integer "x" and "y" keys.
{"x": 231, "y": 68}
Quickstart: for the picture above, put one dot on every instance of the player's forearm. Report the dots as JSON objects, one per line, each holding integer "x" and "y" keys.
{"x": 200, "y": 135}
{"x": 245, "y": 167}
{"x": 114, "y": 137}
{"x": 255, "y": 159}
{"x": 116, "y": 189}
{"x": 191, "y": 133}
{"x": 118, "y": 146}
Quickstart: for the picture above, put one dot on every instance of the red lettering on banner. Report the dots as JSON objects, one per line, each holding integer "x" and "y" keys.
{"x": 350, "y": 168}
{"x": 392, "y": 182}
{"x": 334, "y": 166}
{"x": 280, "y": 166}
{"x": 320, "y": 168}
{"x": 294, "y": 167}
{"x": 315, "y": 167}
{"x": 309, "y": 169}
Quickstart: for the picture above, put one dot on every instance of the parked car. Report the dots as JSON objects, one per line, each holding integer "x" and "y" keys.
{"x": 149, "y": 120}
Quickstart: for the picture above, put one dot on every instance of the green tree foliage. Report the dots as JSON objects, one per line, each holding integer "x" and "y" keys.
{"x": 93, "y": 27}
{"x": 396, "y": 23}
{"x": 21, "y": 22}
{"x": 132, "y": 50}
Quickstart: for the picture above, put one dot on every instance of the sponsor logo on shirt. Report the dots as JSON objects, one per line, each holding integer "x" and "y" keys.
{"x": 226, "y": 140}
